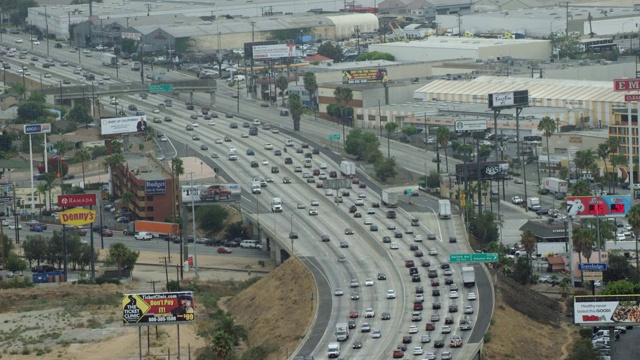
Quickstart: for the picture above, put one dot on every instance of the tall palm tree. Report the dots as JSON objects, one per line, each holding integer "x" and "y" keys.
{"x": 528, "y": 240}
{"x": 547, "y": 126}
{"x": 564, "y": 172}
{"x": 603, "y": 152}
{"x": 311, "y": 86}
{"x": 83, "y": 155}
{"x": 616, "y": 161}
{"x": 580, "y": 239}
{"x": 343, "y": 95}
{"x": 235, "y": 331}
{"x": 633, "y": 216}
{"x": 41, "y": 189}
{"x": 295, "y": 109}
{"x": 126, "y": 198}
{"x": 177, "y": 169}
{"x": 282, "y": 83}
{"x": 221, "y": 345}
{"x": 580, "y": 188}
{"x": 110, "y": 162}
{"x": 443, "y": 135}
{"x": 391, "y": 127}
{"x": 49, "y": 180}
{"x": 583, "y": 159}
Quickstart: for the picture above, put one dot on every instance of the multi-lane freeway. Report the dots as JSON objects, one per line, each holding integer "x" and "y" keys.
{"x": 364, "y": 253}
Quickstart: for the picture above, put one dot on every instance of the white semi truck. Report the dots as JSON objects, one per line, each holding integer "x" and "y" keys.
{"x": 348, "y": 169}
{"x": 256, "y": 187}
{"x": 276, "y": 204}
{"x": 389, "y": 199}
{"x": 444, "y": 209}
{"x": 468, "y": 276}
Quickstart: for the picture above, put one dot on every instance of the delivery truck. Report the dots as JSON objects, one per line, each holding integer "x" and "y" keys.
{"x": 389, "y": 199}
{"x": 157, "y": 229}
{"x": 135, "y": 66}
{"x": 555, "y": 185}
{"x": 342, "y": 332}
{"x": 533, "y": 203}
{"x": 444, "y": 209}
{"x": 333, "y": 350}
{"x": 109, "y": 60}
{"x": 348, "y": 169}
{"x": 256, "y": 187}
{"x": 276, "y": 204}
{"x": 468, "y": 276}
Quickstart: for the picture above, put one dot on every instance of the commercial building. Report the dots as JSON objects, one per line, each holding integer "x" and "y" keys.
{"x": 150, "y": 183}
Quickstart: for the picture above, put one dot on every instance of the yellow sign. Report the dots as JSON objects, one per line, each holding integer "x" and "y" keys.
{"x": 591, "y": 275}
{"x": 77, "y": 216}
{"x": 463, "y": 196}
{"x": 463, "y": 202}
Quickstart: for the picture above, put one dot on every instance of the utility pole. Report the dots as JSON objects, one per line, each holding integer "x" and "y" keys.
{"x": 46, "y": 25}
{"x": 566, "y": 28}
{"x": 153, "y": 284}
{"x": 148, "y": 9}
{"x": 253, "y": 24}
{"x": 459, "y": 25}
{"x": 357, "y": 31}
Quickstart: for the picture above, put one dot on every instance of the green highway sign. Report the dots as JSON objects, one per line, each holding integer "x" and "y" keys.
{"x": 334, "y": 136}
{"x": 408, "y": 191}
{"x": 422, "y": 182}
{"x": 482, "y": 257}
{"x": 160, "y": 88}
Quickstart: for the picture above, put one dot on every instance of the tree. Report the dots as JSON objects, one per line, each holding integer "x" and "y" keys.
{"x": 34, "y": 248}
{"x": 583, "y": 159}
{"x": 385, "y": 169}
{"x": 633, "y": 216}
{"x": 282, "y": 83}
{"x": 410, "y": 130}
{"x": 6, "y": 246}
{"x": 83, "y": 155}
{"x": 433, "y": 179}
{"x": 521, "y": 270}
{"x": 621, "y": 287}
{"x": 343, "y": 95}
{"x": 375, "y": 55}
{"x": 30, "y": 112}
{"x": 363, "y": 144}
{"x": 311, "y": 86}
{"x": 582, "y": 239}
{"x": 564, "y": 172}
{"x": 18, "y": 89}
{"x": 580, "y": 188}
{"x": 220, "y": 347}
{"x": 211, "y": 217}
{"x": 583, "y": 350}
{"x": 79, "y": 114}
{"x": 15, "y": 263}
{"x": 547, "y": 126}
{"x": 483, "y": 226}
{"x": 49, "y": 179}
{"x": 295, "y": 108}
{"x": 391, "y": 128}
{"x": 128, "y": 46}
{"x": 236, "y": 230}
{"x": 122, "y": 257}
{"x": 618, "y": 268}
{"x": 127, "y": 198}
{"x": 443, "y": 135}
{"x": 17, "y": 10}
{"x": 236, "y": 332}
{"x": 528, "y": 240}
{"x": 334, "y": 53}
{"x": 566, "y": 46}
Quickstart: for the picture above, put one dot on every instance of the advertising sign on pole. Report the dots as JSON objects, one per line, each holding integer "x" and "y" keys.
{"x": 76, "y": 200}
{"x": 77, "y": 216}
{"x": 606, "y": 310}
{"x": 621, "y": 85}
{"x": 509, "y": 99}
{"x": 362, "y": 76}
{"x": 632, "y": 97}
{"x": 199, "y": 193}
{"x": 37, "y": 128}
{"x": 592, "y": 206}
{"x": 276, "y": 51}
{"x": 123, "y": 125}
{"x": 471, "y": 125}
{"x": 155, "y": 187}
{"x": 169, "y": 308}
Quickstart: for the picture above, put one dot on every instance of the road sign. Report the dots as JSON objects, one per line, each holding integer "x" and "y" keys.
{"x": 471, "y": 125}
{"x": 160, "y": 88}
{"x": 591, "y": 275}
{"x": 592, "y": 267}
{"x": 336, "y": 184}
{"x": 463, "y": 202}
{"x": 482, "y": 257}
{"x": 422, "y": 182}
{"x": 37, "y": 128}
{"x": 408, "y": 191}
{"x": 632, "y": 97}
{"x": 334, "y": 136}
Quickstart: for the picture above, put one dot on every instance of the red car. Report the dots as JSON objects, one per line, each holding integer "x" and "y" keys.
{"x": 106, "y": 233}
{"x": 353, "y": 314}
{"x": 417, "y": 306}
{"x": 398, "y": 354}
{"x": 316, "y": 172}
{"x": 409, "y": 263}
{"x": 435, "y": 283}
{"x": 224, "y": 250}
{"x": 430, "y": 326}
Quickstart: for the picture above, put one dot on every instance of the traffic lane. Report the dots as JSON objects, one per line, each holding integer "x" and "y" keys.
{"x": 484, "y": 291}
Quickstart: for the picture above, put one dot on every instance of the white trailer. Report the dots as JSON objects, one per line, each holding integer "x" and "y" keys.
{"x": 389, "y": 199}
{"x": 468, "y": 276}
{"x": 444, "y": 209}
{"x": 348, "y": 169}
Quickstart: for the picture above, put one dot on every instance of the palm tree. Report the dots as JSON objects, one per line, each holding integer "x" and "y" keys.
{"x": 528, "y": 240}
{"x": 547, "y": 127}
{"x": 41, "y": 189}
{"x": 633, "y": 216}
{"x": 442, "y": 139}
{"x": 221, "y": 345}
{"x": 295, "y": 109}
{"x": 110, "y": 162}
{"x": 343, "y": 96}
{"x": 580, "y": 239}
{"x": 616, "y": 161}
{"x": 177, "y": 169}
{"x": 126, "y": 198}
{"x": 583, "y": 159}
{"x": 49, "y": 180}
{"x": 235, "y": 331}
{"x": 390, "y": 127}
{"x": 311, "y": 86}
{"x": 83, "y": 155}
{"x": 282, "y": 83}
{"x": 580, "y": 188}
{"x": 564, "y": 172}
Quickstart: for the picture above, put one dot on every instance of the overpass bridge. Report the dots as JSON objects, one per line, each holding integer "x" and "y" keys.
{"x": 74, "y": 92}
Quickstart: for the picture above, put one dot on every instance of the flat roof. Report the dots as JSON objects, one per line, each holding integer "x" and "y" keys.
{"x": 452, "y": 42}
{"x": 560, "y": 12}
{"x": 144, "y": 167}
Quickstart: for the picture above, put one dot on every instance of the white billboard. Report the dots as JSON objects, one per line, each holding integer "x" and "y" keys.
{"x": 606, "y": 310}
{"x": 502, "y": 99}
{"x": 273, "y": 51}
{"x": 123, "y": 125}
{"x": 471, "y": 125}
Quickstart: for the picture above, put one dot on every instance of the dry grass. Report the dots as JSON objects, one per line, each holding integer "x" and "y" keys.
{"x": 277, "y": 308}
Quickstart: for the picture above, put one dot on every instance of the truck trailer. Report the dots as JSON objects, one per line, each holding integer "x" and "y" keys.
{"x": 389, "y": 199}
{"x": 155, "y": 228}
{"x": 109, "y": 60}
{"x": 348, "y": 169}
{"x": 444, "y": 209}
{"x": 555, "y": 185}
{"x": 468, "y": 276}
{"x": 342, "y": 331}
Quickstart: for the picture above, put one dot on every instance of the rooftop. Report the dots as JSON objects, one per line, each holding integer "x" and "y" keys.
{"x": 144, "y": 167}
{"x": 560, "y": 12}
{"x": 452, "y": 42}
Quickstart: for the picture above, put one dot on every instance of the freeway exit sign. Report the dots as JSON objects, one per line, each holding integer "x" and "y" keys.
{"x": 160, "y": 88}
{"x": 482, "y": 257}
{"x": 334, "y": 136}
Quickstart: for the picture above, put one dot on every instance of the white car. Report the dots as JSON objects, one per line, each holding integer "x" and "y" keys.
{"x": 391, "y": 226}
{"x": 268, "y": 146}
{"x": 418, "y": 350}
{"x": 215, "y": 155}
{"x": 433, "y": 251}
{"x": 19, "y": 41}
{"x": 156, "y": 111}
{"x": 244, "y": 135}
{"x": 362, "y": 195}
{"x": 212, "y": 123}
{"x": 468, "y": 309}
{"x": 195, "y": 125}
{"x": 323, "y": 165}
{"x": 338, "y": 292}
{"x": 265, "y": 162}
{"x": 359, "y": 201}
{"x": 446, "y": 355}
{"x": 453, "y": 295}
{"x": 368, "y": 282}
{"x": 429, "y": 356}
{"x": 369, "y": 313}
{"x": 417, "y": 238}
{"x": 448, "y": 272}
{"x": 313, "y": 212}
{"x": 471, "y": 296}
{"x": 376, "y": 334}
{"x": 419, "y": 297}
{"x": 315, "y": 203}
{"x": 322, "y": 176}
{"x": 446, "y": 329}
{"x": 413, "y": 329}
{"x": 391, "y": 294}
{"x": 368, "y": 221}
{"x": 394, "y": 246}
{"x": 371, "y": 211}
{"x": 275, "y": 131}
{"x": 12, "y": 226}
{"x": 164, "y": 139}
{"x": 106, "y": 77}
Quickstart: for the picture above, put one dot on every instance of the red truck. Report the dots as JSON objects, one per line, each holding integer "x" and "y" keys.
{"x": 215, "y": 193}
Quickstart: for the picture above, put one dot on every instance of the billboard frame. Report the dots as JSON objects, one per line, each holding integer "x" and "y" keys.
{"x": 577, "y": 205}
{"x": 77, "y": 200}
{"x": 124, "y": 125}
{"x": 509, "y": 99}
{"x": 134, "y": 305}
{"x": 365, "y": 76}
{"x": 601, "y": 310}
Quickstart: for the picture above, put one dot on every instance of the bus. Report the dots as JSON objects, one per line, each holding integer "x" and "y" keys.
{"x": 596, "y": 44}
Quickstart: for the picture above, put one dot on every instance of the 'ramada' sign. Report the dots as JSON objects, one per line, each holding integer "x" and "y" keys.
{"x": 621, "y": 85}
{"x": 76, "y": 200}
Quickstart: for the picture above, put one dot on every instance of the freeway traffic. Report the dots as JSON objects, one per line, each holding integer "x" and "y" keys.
{"x": 366, "y": 255}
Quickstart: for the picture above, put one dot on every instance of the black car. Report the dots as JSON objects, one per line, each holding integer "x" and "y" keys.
{"x": 382, "y": 276}
{"x": 413, "y": 247}
{"x": 452, "y": 239}
{"x": 418, "y": 253}
{"x": 425, "y": 263}
{"x": 542, "y": 212}
{"x": 357, "y": 344}
{"x": 445, "y": 266}
{"x": 277, "y": 152}
{"x": 352, "y": 324}
{"x": 353, "y": 209}
{"x": 315, "y": 151}
{"x": 385, "y": 316}
{"x": 288, "y": 161}
{"x": 435, "y": 292}
{"x": 448, "y": 320}
{"x": 419, "y": 290}
{"x": 438, "y": 344}
{"x": 453, "y": 308}
{"x": 436, "y": 306}
{"x": 433, "y": 274}
{"x": 397, "y": 235}
{"x": 407, "y": 339}
{"x": 413, "y": 271}
{"x": 448, "y": 281}
{"x": 386, "y": 239}
{"x": 415, "y": 278}
{"x": 346, "y": 193}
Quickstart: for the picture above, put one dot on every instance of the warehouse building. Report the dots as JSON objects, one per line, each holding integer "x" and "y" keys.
{"x": 439, "y": 48}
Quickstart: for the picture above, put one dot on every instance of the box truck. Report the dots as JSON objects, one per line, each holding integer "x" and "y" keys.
{"x": 348, "y": 169}
{"x": 389, "y": 199}
{"x": 135, "y": 66}
{"x": 276, "y": 204}
{"x": 155, "y": 228}
{"x": 333, "y": 350}
{"x": 342, "y": 332}
{"x": 555, "y": 185}
{"x": 444, "y": 209}
{"x": 468, "y": 276}
{"x": 256, "y": 187}
{"x": 109, "y": 60}
{"x": 533, "y": 203}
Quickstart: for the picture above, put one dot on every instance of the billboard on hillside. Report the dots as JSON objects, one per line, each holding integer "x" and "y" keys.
{"x": 205, "y": 193}
{"x": 123, "y": 125}
{"x": 606, "y": 310}
{"x": 167, "y": 308}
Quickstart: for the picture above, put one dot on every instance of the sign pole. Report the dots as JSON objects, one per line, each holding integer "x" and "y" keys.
{"x": 93, "y": 263}
{"x": 569, "y": 237}
{"x": 46, "y": 170}
{"x": 33, "y": 204}
{"x": 64, "y": 242}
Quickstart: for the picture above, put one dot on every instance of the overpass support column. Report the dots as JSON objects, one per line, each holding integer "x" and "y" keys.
{"x": 212, "y": 99}
{"x": 191, "y": 97}
{"x": 276, "y": 252}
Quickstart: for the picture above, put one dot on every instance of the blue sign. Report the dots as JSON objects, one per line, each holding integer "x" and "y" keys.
{"x": 593, "y": 267}
{"x": 37, "y": 128}
{"x": 155, "y": 187}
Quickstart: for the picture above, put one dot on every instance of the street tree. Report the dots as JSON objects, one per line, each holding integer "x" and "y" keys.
{"x": 618, "y": 268}
{"x": 79, "y": 114}
{"x": 34, "y": 249}
{"x": 311, "y": 86}
{"x": 580, "y": 188}
{"x": 83, "y": 155}
{"x": 391, "y": 128}
{"x": 295, "y": 109}
{"x": 122, "y": 257}
{"x": 621, "y": 287}
{"x": 343, "y": 95}
{"x": 410, "y": 130}
{"x": 385, "y": 169}
{"x": 282, "y": 83}
{"x": 528, "y": 240}
{"x": 443, "y": 135}
{"x": 521, "y": 270}
{"x": 583, "y": 159}
{"x": 211, "y": 217}
{"x": 547, "y": 126}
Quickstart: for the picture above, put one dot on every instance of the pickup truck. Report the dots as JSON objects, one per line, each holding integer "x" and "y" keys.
{"x": 517, "y": 200}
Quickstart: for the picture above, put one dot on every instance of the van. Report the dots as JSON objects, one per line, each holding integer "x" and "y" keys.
{"x": 249, "y": 244}
{"x": 238, "y": 78}
{"x": 143, "y": 235}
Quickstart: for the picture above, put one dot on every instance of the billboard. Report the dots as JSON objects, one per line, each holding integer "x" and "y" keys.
{"x": 77, "y": 216}
{"x": 620, "y": 85}
{"x": 509, "y": 99}
{"x": 205, "y": 193}
{"x": 248, "y": 47}
{"x": 606, "y": 310}
{"x": 592, "y": 206}
{"x": 494, "y": 170}
{"x": 276, "y": 51}
{"x": 169, "y": 308}
{"x": 76, "y": 200}
{"x": 37, "y": 128}
{"x": 471, "y": 125}
{"x": 155, "y": 187}
{"x": 123, "y": 125}
{"x": 363, "y": 76}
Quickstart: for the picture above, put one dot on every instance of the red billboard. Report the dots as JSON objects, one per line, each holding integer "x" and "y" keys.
{"x": 168, "y": 308}
{"x": 76, "y": 200}
{"x": 592, "y": 206}
{"x": 626, "y": 85}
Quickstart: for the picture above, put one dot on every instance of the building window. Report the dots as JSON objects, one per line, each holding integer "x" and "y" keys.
{"x": 150, "y": 198}
{"x": 359, "y": 117}
{"x": 383, "y": 118}
{"x": 149, "y": 208}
